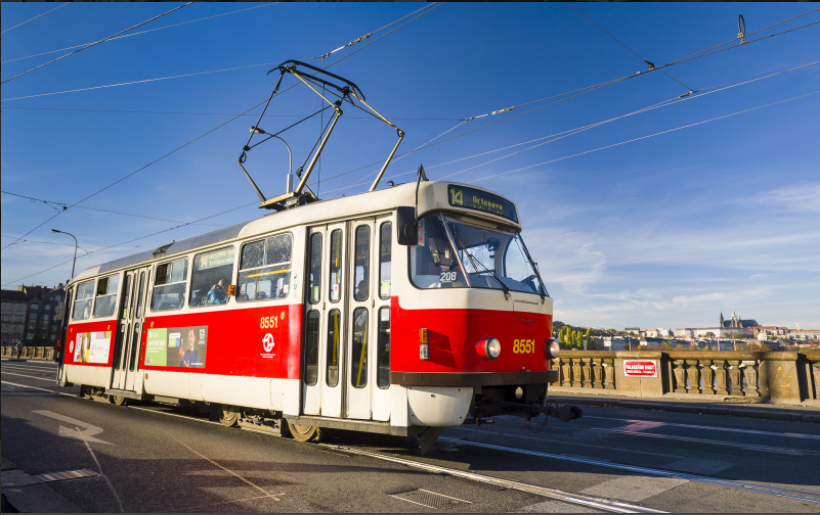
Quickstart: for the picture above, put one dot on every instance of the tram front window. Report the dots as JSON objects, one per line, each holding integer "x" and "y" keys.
{"x": 458, "y": 254}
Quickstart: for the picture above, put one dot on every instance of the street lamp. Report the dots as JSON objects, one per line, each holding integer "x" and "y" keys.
{"x": 75, "y": 249}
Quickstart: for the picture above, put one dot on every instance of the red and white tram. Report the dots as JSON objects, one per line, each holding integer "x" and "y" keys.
{"x": 403, "y": 310}
{"x": 339, "y": 314}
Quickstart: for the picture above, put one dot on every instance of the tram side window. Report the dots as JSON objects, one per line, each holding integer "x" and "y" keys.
{"x": 315, "y": 268}
{"x": 333, "y": 347}
{"x": 265, "y": 268}
{"x": 384, "y": 261}
{"x": 211, "y": 277}
{"x": 362, "y": 265}
{"x": 83, "y": 300}
{"x": 358, "y": 377}
{"x": 105, "y": 304}
{"x": 335, "y": 265}
{"x": 169, "y": 285}
{"x": 383, "y": 349}
{"x": 312, "y": 349}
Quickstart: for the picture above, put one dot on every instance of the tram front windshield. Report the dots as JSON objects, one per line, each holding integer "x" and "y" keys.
{"x": 456, "y": 254}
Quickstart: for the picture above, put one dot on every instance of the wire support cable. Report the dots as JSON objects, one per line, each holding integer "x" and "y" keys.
{"x": 138, "y": 170}
{"x": 647, "y": 136}
{"x": 138, "y": 33}
{"x": 122, "y": 243}
{"x": 96, "y": 43}
{"x": 642, "y": 58}
{"x": 577, "y": 130}
{"x": 32, "y": 19}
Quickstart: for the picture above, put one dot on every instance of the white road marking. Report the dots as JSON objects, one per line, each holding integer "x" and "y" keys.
{"x": 634, "y": 488}
{"x": 99, "y": 467}
{"x": 727, "y": 429}
{"x": 49, "y": 379}
{"x": 85, "y": 435}
{"x": 700, "y": 466}
{"x": 38, "y": 388}
{"x": 556, "y": 507}
{"x": 640, "y": 425}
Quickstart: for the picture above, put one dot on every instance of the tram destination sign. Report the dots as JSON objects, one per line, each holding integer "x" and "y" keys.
{"x": 471, "y": 198}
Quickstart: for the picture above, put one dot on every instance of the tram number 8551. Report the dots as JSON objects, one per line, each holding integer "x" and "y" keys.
{"x": 524, "y": 346}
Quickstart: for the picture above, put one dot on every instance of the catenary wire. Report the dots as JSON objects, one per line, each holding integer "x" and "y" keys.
{"x": 191, "y": 141}
{"x": 32, "y": 19}
{"x": 642, "y": 58}
{"x": 96, "y": 43}
{"x": 646, "y": 137}
{"x": 141, "y": 32}
{"x": 64, "y": 206}
{"x": 125, "y": 111}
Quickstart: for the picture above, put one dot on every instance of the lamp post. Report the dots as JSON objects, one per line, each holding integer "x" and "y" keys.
{"x": 75, "y": 249}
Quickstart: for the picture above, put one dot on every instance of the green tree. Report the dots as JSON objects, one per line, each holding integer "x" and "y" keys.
{"x": 588, "y": 340}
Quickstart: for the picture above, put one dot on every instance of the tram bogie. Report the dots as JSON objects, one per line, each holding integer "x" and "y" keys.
{"x": 327, "y": 316}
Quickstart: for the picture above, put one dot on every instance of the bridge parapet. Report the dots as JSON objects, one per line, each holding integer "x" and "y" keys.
{"x": 776, "y": 377}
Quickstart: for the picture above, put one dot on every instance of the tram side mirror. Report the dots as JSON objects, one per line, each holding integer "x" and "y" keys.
{"x": 406, "y": 230}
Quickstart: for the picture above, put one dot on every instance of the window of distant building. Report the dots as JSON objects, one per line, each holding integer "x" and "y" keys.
{"x": 20, "y": 308}
{"x": 35, "y": 306}
{"x": 48, "y": 306}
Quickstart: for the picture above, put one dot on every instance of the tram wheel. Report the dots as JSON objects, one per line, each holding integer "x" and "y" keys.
{"x": 304, "y": 433}
{"x": 118, "y": 400}
{"x": 229, "y": 418}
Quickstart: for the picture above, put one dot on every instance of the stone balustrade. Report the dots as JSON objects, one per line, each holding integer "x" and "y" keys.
{"x": 778, "y": 377}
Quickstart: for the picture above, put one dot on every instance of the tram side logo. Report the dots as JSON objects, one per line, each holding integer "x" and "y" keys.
{"x": 268, "y": 344}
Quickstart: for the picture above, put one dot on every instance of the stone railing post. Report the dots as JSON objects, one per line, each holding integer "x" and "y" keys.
{"x": 566, "y": 372}
{"x": 609, "y": 373}
{"x": 750, "y": 388}
{"x": 586, "y": 372}
{"x": 680, "y": 375}
{"x": 734, "y": 377}
{"x": 692, "y": 374}
{"x": 781, "y": 377}
{"x": 708, "y": 377}
{"x": 598, "y": 373}
{"x": 720, "y": 376}
{"x": 576, "y": 372}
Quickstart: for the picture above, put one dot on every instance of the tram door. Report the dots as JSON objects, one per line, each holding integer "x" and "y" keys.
{"x": 129, "y": 335}
{"x": 325, "y": 318}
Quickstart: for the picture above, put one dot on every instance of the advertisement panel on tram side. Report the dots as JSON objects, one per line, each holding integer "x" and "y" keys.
{"x": 90, "y": 344}
{"x": 254, "y": 342}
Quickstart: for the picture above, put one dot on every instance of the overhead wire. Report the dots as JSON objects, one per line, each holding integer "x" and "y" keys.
{"x": 64, "y": 206}
{"x": 646, "y": 137}
{"x": 141, "y": 32}
{"x": 642, "y": 58}
{"x": 575, "y": 93}
{"x": 32, "y": 19}
{"x": 96, "y": 43}
{"x": 192, "y": 141}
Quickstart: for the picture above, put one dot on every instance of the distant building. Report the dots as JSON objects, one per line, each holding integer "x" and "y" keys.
{"x": 805, "y": 334}
{"x": 14, "y": 305}
{"x": 44, "y": 314}
{"x": 736, "y": 322}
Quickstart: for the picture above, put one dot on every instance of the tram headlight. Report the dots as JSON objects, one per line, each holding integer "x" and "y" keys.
{"x": 488, "y": 348}
{"x": 553, "y": 348}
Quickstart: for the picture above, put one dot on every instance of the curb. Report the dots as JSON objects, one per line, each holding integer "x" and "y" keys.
{"x": 772, "y": 413}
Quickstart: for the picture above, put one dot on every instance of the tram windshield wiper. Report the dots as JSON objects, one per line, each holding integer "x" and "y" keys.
{"x": 476, "y": 264}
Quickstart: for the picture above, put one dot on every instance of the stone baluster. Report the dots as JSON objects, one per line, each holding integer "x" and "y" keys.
{"x": 734, "y": 377}
{"x": 692, "y": 373}
{"x": 576, "y": 372}
{"x": 720, "y": 375}
{"x": 815, "y": 372}
{"x": 586, "y": 371}
{"x": 598, "y": 373}
{"x": 750, "y": 389}
{"x": 708, "y": 376}
{"x": 566, "y": 372}
{"x": 679, "y": 373}
{"x": 609, "y": 373}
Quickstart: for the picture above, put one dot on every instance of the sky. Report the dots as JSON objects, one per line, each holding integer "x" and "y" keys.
{"x": 642, "y": 207}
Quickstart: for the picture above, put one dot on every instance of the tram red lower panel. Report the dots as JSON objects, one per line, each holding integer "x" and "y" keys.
{"x": 453, "y": 334}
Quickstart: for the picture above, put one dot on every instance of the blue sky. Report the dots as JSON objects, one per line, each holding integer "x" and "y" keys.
{"x": 664, "y": 231}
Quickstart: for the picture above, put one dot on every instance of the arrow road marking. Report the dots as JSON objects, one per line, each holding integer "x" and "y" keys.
{"x": 87, "y": 433}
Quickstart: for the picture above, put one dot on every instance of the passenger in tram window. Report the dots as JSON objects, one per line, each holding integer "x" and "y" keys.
{"x": 361, "y": 289}
{"x": 217, "y": 293}
{"x": 191, "y": 356}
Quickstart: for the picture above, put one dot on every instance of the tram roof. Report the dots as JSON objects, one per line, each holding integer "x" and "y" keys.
{"x": 352, "y": 206}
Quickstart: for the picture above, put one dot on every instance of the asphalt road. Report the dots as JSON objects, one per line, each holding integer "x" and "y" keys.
{"x": 161, "y": 459}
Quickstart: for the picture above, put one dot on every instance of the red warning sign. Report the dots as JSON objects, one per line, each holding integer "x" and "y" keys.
{"x": 647, "y": 368}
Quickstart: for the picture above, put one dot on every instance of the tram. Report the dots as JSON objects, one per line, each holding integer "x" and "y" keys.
{"x": 403, "y": 310}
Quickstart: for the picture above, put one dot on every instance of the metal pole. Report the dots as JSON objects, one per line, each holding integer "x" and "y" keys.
{"x": 73, "y": 263}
